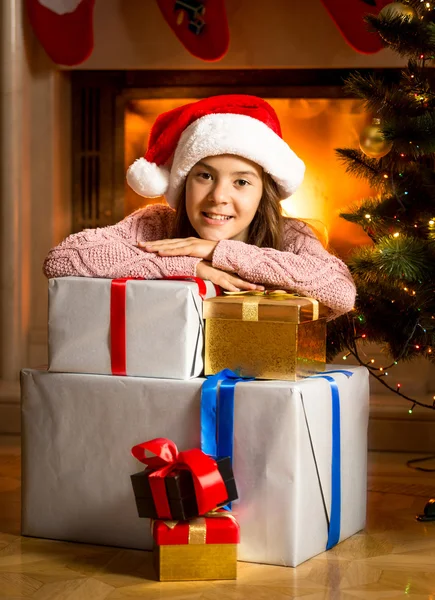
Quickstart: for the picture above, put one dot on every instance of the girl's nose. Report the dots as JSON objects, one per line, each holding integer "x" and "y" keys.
{"x": 219, "y": 193}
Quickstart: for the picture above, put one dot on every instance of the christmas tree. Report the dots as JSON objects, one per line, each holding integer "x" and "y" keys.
{"x": 395, "y": 275}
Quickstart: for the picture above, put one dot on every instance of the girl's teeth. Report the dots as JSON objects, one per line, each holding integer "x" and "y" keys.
{"x": 217, "y": 217}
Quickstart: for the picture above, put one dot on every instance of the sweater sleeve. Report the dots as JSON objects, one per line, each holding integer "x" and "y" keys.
{"x": 113, "y": 252}
{"x": 304, "y": 267}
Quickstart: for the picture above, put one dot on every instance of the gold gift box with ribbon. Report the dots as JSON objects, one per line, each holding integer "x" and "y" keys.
{"x": 267, "y": 335}
{"x": 200, "y": 549}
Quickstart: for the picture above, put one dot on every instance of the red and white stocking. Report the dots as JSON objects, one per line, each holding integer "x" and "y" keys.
{"x": 200, "y": 25}
{"x": 64, "y": 28}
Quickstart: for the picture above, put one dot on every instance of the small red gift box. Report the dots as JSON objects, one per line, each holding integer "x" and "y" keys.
{"x": 200, "y": 549}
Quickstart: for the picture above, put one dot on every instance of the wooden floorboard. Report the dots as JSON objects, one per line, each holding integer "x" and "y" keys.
{"x": 394, "y": 558}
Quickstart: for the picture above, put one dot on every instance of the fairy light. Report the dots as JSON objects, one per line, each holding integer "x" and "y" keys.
{"x": 385, "y": 176}
{"x": 431, "y": 222}
{"x": 411, "y": 409}
{"x": 346, "y": 355}
{"x": 417, "y": 347}
{"x": 396, "y": 235}
{"x": 398, "y": 386}
{"x": 367, "y": 216}
{"x": 372, "y": 360}
{"x": 402, "y": 155}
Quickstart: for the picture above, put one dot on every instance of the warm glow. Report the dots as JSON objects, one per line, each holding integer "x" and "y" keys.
{"x": 313, "y": 128}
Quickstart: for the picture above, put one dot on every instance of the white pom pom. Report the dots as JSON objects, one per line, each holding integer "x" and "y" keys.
{"x": 148, "y": 179}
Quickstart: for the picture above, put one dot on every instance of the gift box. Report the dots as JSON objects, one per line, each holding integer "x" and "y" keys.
{"x": 78, "y": 429}
{"x": 266, "y": 335}
{"x": 127, "y": 327}
{"x": 180, "y": 492}
{"x": 200, "y": 549}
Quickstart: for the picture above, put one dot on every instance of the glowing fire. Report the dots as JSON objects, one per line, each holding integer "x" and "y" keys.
{"x": 312, "y": 128}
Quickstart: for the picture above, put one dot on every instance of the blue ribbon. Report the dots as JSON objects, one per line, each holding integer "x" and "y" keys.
{"x": 335, "y": 514}
{"x": 217, "y": 415}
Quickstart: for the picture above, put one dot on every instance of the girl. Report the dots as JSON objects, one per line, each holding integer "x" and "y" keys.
{"x": 223, "y": 166}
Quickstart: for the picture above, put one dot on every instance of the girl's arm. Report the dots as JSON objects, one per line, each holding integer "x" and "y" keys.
{"x": 112, "y": 251}
{"x": 304, "y": 266}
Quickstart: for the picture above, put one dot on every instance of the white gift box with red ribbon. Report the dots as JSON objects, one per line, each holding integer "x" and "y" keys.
{"x": 127, "y": 326}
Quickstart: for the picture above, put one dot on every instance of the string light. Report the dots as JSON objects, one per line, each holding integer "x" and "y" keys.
{"x": 367, "y": 216}
{"x": 385, "y": 176}
{"x": 372, "y": 360}
{"x": 396, "y": 234}
{"x": 398, "y": 386}
{"x": 411, "y": 409}
{"x": 346, "y": 355}
{"x": 431, "y": 222}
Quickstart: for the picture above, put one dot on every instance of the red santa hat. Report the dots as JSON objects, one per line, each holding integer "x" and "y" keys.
{"x": 242, "y": 125}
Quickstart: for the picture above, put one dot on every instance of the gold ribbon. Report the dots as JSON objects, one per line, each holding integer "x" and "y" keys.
{"x": 250, "y": 306}
{"x": 198, "y": 527}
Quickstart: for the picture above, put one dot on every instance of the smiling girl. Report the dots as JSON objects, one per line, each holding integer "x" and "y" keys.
{"x": 223, "y": 166}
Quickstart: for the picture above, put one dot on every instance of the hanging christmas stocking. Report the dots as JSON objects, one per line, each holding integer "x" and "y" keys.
{"x": 349, "y": 18}
{"x": 64, "y": 28}
{"x": 201, "y": 26}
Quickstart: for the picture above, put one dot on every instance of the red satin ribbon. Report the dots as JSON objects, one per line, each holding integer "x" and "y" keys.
{"x": 118, "y": 343}
{"x": 202, "y": 288}
{"x": 118, "y": 338}
{"x": 210, "y": 490}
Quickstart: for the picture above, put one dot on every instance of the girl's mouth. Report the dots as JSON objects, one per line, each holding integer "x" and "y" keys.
{"x": 216, "y": 219}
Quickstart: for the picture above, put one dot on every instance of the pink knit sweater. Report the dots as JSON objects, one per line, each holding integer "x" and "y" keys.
{"x": 303, "y": 265}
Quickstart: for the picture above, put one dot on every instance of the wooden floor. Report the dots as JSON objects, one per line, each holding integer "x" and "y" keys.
{"x": 394, "y": 558}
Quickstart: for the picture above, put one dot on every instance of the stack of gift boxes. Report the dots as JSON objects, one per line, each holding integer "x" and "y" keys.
{"x": 237, "y": 380}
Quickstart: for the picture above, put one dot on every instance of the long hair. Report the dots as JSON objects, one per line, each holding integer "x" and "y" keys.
{"x": 266, "y": 228}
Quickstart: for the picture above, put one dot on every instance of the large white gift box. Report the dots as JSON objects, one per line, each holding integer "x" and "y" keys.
{"x": 154, "y": 328}
{"x": 78, "y": 430}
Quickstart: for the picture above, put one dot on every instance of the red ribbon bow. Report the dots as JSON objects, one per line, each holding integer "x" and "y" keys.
{"x": 210, "y": 490}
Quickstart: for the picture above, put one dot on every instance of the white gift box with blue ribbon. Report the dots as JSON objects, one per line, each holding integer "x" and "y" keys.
{"x": 300, "y": 457}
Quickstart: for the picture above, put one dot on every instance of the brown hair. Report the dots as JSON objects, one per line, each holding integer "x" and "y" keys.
{"x": 266, "y": 228}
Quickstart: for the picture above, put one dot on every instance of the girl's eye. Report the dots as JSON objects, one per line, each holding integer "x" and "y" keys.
{"x": 242, "y": 182}
{"x": 204, "y": 175}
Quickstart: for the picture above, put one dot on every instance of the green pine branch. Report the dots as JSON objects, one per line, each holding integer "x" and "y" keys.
{"x": 409, "y": 38}
{"x": 388, "y": 100}
{"x": 361, "y": 166}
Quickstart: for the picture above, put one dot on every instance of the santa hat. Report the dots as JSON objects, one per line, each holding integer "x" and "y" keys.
{"x": 245, "y": 126}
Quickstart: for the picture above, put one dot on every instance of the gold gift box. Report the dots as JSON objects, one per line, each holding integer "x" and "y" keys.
{"x": 268, "y": 336}
{"x": 195, "y": 562}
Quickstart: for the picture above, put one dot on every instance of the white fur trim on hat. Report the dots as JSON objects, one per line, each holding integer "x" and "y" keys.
{"x": 148, "y": 179}
{"x": 240, "y": 135}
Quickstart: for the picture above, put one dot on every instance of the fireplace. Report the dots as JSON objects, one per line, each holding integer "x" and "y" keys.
{"x": 112, "y": 114}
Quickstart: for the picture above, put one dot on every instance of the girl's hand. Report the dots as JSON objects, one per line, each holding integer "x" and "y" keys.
{"x": 230, "y": 283}
{"x": 181, "y": 247}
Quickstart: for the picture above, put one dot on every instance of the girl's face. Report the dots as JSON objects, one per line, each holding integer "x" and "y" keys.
{"x": 222, "y": 196}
